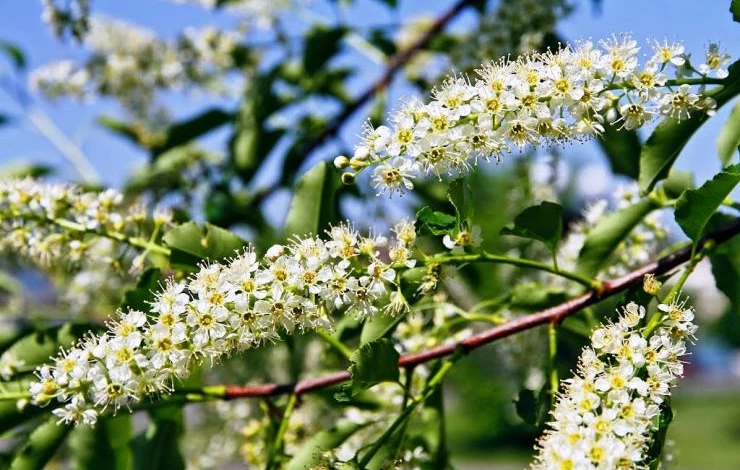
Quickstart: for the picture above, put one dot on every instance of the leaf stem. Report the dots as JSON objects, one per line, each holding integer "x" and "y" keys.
{"x": 277, "y": 444}
{"x": 552, "y": 336}
{"x": 334, "y": 343}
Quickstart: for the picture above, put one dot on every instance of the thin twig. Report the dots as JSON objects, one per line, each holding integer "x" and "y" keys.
{"x": 551, "y": 315}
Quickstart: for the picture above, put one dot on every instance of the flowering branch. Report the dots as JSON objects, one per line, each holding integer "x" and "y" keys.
{"x": 551, "y": 315}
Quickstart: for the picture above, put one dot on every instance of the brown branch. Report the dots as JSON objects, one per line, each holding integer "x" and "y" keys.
{"x": 554, "y": 314}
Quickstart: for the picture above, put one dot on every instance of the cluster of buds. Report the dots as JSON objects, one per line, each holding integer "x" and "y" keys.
{"x": 541, "y": 98}
{"x": 606, "y": 415}
{"x": 224, "y": 308}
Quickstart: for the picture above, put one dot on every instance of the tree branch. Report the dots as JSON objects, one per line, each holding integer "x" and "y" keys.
{"x": 551, "y": 315}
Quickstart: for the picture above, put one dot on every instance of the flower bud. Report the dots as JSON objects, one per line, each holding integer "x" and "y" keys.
{"x": 341, "y": 162}
{"x": 348, "y": 178}
{"x": 651, "y": 285}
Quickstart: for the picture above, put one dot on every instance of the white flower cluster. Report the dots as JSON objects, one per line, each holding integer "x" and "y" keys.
{"x": 74, "y": 17}
{"x": 605, "y": 415}
{"x": 49, "y": 223}
{"x": 131, "y": 64}
{"x": 567, "y": 95}
{"x": 220, "y": 309}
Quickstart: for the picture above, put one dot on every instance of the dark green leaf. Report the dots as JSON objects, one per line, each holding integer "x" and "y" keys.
{"x": 666, "y": 142}
{"x": 190, "y": 244}
{"x": 390, "y": 3}
{"x": 735, "y": 10}
{"x": 314, "y": 202}
{"x": 460, "y": 196}
{"x": 526, "y": 406}
{"x": 725, "y": 260}
{"x": 122, "y": 128}
{"x": 158, "y": 448}
{"x": 728, "y": 142}
{"x": 661, "y": 423}
{"x": 14, "y": 53}
{"x": 138, "y": 298}
{"x": 192, "y": 128}
{"x": 321, "y": 44}
{"x": 104, "y": 446}
{"x": 310, "y": 454}
{"x": 543, "y": 222}
{"x": 379, "y": 38}
{"x": 622, "y": 148}
{"x": 40, "y": 446}
{"x": 438, "y": 223}
{"x": 609, "y": 231}
{"x": 695, "y": 206}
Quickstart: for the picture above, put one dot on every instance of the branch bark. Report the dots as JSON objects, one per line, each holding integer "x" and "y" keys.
{"x": 554, "y": 314}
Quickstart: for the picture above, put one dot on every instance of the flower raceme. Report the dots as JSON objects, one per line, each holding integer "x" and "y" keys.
{"x": 568, "y": 95}
{"x": 220, "y": 309}
{"x": 50, "y": 223}
{"x": 605, "y": 415}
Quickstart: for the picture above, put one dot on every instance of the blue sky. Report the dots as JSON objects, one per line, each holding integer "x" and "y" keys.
{"x": 695, "y": 23}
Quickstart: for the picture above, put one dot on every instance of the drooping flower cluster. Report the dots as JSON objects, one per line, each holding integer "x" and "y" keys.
{"x": 605, "y": 415}
{"x": 49, "y": 223}
{"x": 131, "y": 63}
{"x": 74, "y": 17}
{"x": 220, "y": 309}
{"x": 568, "y": 95}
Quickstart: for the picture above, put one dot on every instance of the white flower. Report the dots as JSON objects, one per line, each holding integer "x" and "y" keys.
{"x": 714, "y": 62}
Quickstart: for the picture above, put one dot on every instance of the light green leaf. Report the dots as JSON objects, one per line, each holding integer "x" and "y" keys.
{"x": 696, "y": 206}
{"x": 190, "y": 245}
{"x": 378, "y": 326}
{"x": 328, "y": 439}
{"x": 609, "y": 231}
{"x": 622, "y": 148}
{"x": 104, "y": 446}
{"x": 460, "y": 196}
{"x": 668, "y": 139}
{"x": 543, "y": 222}
{"x": 36, "y": 347}
{"x": 678, "y": 182}
{"x": 40, "y": 447}
{"x": 438, "y": 223}
{"x": 10, "y": 415}
{"x": 313, "y": 206}
{"x": 728, "y": 142}
{"x": 725, "y": 259}
{"x": 372, "y": 363}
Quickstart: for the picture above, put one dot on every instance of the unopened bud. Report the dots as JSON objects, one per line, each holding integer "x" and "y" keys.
{"x": 348, "y": 178}
{"x": 651, "y": 285}
{"x": 357, "y": 164}
{"x": 341, "y": 162}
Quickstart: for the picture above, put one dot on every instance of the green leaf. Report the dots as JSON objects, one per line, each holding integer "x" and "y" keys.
{"x": 668, "y": 139}
{"x": 321, "y": 44}
{"x": 696, "y": 206}
{"x": 121, "y": 128}
{"x": 735, "y": 10}
{"x": 378, "y": 326}
{"x": 606, "y": 235}
{"x": 14, "y": 53}
{"x": 725, "y": 259}
{"x": 728, "y": 142}
{"x": 438, "y": 223}
{"x": 40, "y": 446}
{"x": 158, "y": 448}
{"x": 372, "y": 363}
{"x": 36, "y": 347}
{"x": 543, "y": 222}
{"x": 533, "y": 406}
{"x": 21, "y": 169}
{"x": 104, "y": 446}
{"x": 622, "y": 148}
{"x": 314, "y": 202}
{"x": 657, "y": 442}
{"x": 532, "y": 296}
{"x": 192, "y": 128}
{"x": 10, "y": 415}
{"x": 138, "y": 298}
{"x": 678, "y": 182}
{"x": 190, "y": 244}
{"x": 460, "y": 196}
{"x": 328, "y": 439}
